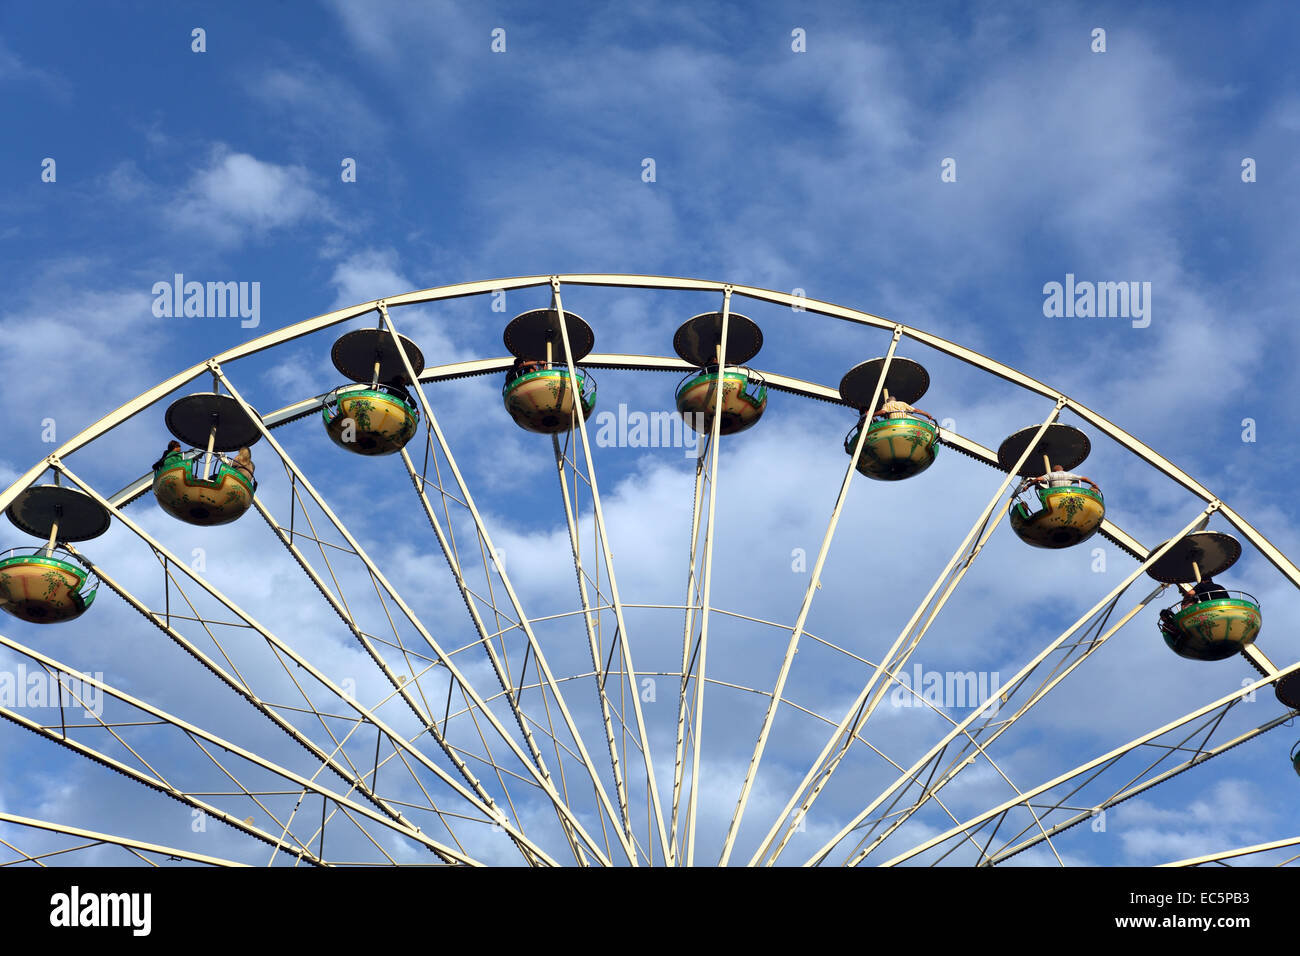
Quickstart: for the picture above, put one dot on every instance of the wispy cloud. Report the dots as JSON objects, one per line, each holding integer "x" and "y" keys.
{"x": 236, "y": 196}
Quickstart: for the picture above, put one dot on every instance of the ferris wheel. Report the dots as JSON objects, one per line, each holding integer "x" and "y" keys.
{"x": 485, "y": 731}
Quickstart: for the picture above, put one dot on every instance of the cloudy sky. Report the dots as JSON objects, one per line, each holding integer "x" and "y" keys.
{"x": 937, "y": 164}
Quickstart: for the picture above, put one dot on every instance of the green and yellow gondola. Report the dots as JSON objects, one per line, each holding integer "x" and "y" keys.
{"x": 375, "y": 415}
{"x": 45, "y": 586}
{"x": 539, "y": 393}
{"x": 1215, "y": 629}
{"x": 50, "y": 584}
{"x": 1217, "y": 623}
{"x": 213, "y": 495}
{"x": 370, "y": 420}
{"x": 542, "y": 399}
{"x": 717, "y": 377}
{"x": 744, "y": 399}
{"x": 1071, "y": 508}
{"x": 1068, "y": 515}
{"x": 895, "y": 447}
{"x": 899, "y": 442}
{"x": 203, "y": 486}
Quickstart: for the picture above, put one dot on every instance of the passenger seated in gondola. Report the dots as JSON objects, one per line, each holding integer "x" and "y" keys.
{"x": 894, "y": 409}
{"x": 1168, "y": 626}
{"x": 244, "y": 462}
{"x": 1167, "y": 623}
{"x": 173, "y": 448}
{"x": 1208, "y": 590}
{"x": 1058, "y": 477}
{"x": 520, "y": 368}
{"x": 398, "y": 388}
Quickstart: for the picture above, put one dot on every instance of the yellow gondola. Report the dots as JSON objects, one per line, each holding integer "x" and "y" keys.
{"x": 39, "y": 587}
{"x": 896, "y": 447}
{"x": 215, "y": 495}
{"x": 376, "y": 415}
{"x": 901, "y": 439}
{"x": 374, "y": 419}
{"x": 541, "y": 397}
{"x": 744, "y": 399}
{"x": 1070, "y": 507}
{"x": 698, "y": 341}
{"x": 205, "y": 487}
{"x": 1069, "y": 515}
{"x": 50, "y": 584}
{"x": 1213, "y": 629}
{"x": 539, "y": 392}
{"x": 1210, "y": 623}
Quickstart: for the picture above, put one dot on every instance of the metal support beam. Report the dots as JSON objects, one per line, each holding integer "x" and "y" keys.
{"x": 814, "y": 582}
{"x": 121, "y": 841}
{"x": 624, "y": 645}
{"x": 398, "y": 741}
{"x": 541, "y": 773}
{"x": 864, "y": 705}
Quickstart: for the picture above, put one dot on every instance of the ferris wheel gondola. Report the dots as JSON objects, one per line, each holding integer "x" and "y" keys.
{"x": 744, "y": 391}
{"x": 205, "y": 486}
{"x": 1071, "y": 507}
{"x": 902, "y": 440}
{"x": 377, "y": 414}
{"x": 1210, "y": 622}
{"x": 49, "y": 584}
{"x": 538, "y": 392}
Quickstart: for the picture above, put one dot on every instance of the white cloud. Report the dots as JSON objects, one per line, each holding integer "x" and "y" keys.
{"x": 237, "y": 196}
{"x": 15, "y": 70}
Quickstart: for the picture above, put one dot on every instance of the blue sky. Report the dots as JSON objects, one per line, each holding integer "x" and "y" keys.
{"x": 816, "y": 170}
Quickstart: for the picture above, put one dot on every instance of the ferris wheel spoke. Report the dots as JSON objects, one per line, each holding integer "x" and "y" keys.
{"x": 240, "y": 685}
{"x": 930, "y": 789}
{"x": 860, "y": 711}
{"x": 492, "y": 554}
{"x": 702, "y": 650}
{"x": 693, "y": 600}
{"x": 1018, "y": 678}
{"x": 621, "y": 637}
{"x": 1067, "y": 665}
{"x": 500, "y": 664}
{"x": 599, "y": 670}
{"x": 1136, "y": 785}
{"x": 1240, "y": 852}
{"x": 795, "y": 705}
{"x": 486, "y": 806}
{"x": 199, "y": 737}
{"x": 810, "y": 592}
{"x": 339, "y": 605}
{"x": 1209, "y": 716}
{"x": 100, "y": 839}
{"x": 510, "y": 688}
{"x": 1002, "y": 725}
{"x": 381, "y": 582}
